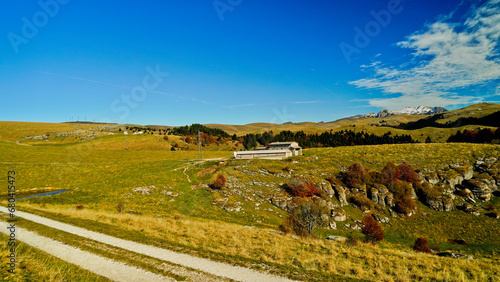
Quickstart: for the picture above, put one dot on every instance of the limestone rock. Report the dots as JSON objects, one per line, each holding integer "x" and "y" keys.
{"x": 327, "y": 188}
{"x": 380, "y": 218}
{"x": 389, "y": 200}
{"x": 336, "y": 238}
{"x": 440, "y": 203}
{"x": 454, "y": 255}
{"x": 468, "y": 208}
{"x": 338, "y": 214}
{"x": 382, "y": 193}
{"x": 341, "y": 195}
{"x": 479, "y": 188}
{"x": 333, "y": 225}
{"x": 374, "y": 195}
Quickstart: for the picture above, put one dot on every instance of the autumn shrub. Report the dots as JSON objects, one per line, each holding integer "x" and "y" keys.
{"x": 421, "y": 245}
{"x": 361, "y": 202}
{"x": 219, "y": 182}
{"x": 407, "y": 173}
{"x": 427, "y": 191}
{"x": 355, "y": 175}
{"x": 390, "y": 172}
{"x": 120, "y": 207}
{"x": 351, "y": 241}
{"x": 305, "y": 217}
{"x": 285, "y": 229}
{"x": 399, "y": 188}
{"x": 405, "y": 205}
{"x": 371, "y": 229}
{"x": 298, "y": 187}
{"x": 376, "y": 178}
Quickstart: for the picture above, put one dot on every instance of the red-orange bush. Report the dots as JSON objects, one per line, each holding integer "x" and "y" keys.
{"x": 371, "y": 229}
{"x": 407, "y": 173}
{"x": 219, "y": 182}
{"x": 355, "y": 175}
{"x": 298, "y": 187}
{"x": 421, "y": 245}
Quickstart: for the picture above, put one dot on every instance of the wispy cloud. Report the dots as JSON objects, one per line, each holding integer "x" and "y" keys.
{"x": 239, "y": 106}
{"x": 447, "y": 57}
{"x": 306, "y": 102}
{"x": 123, "y": 86}
{"x": 82, "y": 79}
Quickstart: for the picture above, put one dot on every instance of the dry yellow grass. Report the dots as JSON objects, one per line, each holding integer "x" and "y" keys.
{"x": 364, "y": 261}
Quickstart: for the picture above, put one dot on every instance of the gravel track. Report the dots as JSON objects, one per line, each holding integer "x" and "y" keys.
{"x": 111, "y": 269}
{"x": 216, "y": 268}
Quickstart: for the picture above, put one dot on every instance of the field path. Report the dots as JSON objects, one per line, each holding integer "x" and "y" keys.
{"x": 216, "y": 268}
{"x": 111, "y": 269}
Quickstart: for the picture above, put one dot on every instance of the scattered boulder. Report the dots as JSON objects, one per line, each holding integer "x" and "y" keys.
{"x": 454, "y": 255}
{"x": 333, "y": 225}
{"x": 338, "y": 214}
{"x": 145, "y": 190}
{"x": 468, "y": 208}
{"x": 336, "y": 238}
{"x": 380, "y": 218}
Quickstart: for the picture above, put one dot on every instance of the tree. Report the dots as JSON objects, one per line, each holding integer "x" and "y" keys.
{"x": 371, "y": 229}
{"x": 305, "y": 217}
{"x": 219, "y": 182}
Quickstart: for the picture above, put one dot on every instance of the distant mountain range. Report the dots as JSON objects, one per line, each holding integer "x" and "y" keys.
{"x": 420, "y": 110}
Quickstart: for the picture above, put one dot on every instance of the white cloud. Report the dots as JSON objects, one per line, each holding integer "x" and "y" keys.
{"x": 306, "y": 102}
{"x": 446, "y": 58}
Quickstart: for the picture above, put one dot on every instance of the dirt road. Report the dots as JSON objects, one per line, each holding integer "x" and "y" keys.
{"x": 216, "y": 268}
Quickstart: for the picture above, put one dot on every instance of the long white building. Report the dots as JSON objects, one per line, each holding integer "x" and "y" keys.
{"x": 275, "y": 151}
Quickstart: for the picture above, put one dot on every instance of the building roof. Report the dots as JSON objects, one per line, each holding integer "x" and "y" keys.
{"x": 282, "y": 143}
{"x": 261, "y": 152}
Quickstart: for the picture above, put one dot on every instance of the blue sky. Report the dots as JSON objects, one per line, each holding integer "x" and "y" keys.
{"x": 237, "y": 61}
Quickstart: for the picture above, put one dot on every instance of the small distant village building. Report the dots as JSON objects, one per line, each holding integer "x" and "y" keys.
{"x": 275, "y": 151}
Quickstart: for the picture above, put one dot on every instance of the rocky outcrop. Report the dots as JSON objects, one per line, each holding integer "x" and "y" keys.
{"x": 440, "y": 203}
{"x": 382, "y": 193}
{"x": 340, "y": 192}
{"x": 479, "y": 188}
{"x": 389, "y": 200}
{"x": 468, "y": 208}
{"x": 326, "y": 188}
{"x": 450, "y": 177}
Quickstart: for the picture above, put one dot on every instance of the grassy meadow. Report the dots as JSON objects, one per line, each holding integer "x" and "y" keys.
{"x": 101, "y": 173}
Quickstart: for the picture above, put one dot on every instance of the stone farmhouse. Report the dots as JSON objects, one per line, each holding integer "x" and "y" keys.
{"x": 275, "y": 151}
